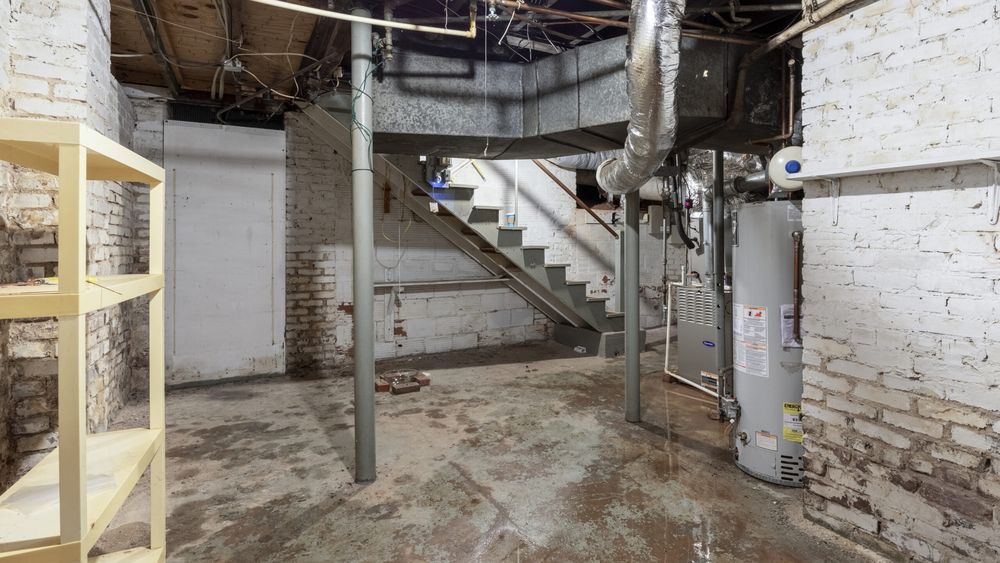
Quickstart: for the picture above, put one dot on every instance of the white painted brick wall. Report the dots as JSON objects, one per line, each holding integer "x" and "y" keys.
{"x": 572, "y": 235}
{"x": 898, "y": 80}
{"x": 56, "y": 64}
{"x": 902, "y": 385}
{"x": 422, "y": 319}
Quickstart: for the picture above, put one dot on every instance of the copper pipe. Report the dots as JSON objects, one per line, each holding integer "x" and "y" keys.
{"x": 568, "y": 15}
{"x": 814, "y": 17}
{"x": 788, "y": 120}
{"x": 572, "y": 194}
{"x": 796, "y": 286}
{"x": 699, "y": 25}
{"x": 611, "y": 4}
{"x": 719, "y": 38}
{"x": 759, "y": 8}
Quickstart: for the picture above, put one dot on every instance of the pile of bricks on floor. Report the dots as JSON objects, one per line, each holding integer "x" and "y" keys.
{"x": 399, "y": 382}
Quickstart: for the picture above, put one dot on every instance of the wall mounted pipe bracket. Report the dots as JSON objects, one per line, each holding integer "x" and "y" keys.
{"x": 834, "y": 191}
{"x": 993, "y": 194}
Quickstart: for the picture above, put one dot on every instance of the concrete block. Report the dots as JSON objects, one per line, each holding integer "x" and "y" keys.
{"x": 498, "y": 319}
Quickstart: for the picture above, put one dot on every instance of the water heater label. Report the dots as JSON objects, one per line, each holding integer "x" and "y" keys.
{"x": 766, "y": 440}
{"x": 750, "y": 339}
{"x": 791, "y": 422}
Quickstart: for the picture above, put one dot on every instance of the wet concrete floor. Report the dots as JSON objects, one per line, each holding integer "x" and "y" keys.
{"x": 513, "y": 454}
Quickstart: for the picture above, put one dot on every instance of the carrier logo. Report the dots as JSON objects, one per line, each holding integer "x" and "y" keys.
{"x": 708, "y": 343}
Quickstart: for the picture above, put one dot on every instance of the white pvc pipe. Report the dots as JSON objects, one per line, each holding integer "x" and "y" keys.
{"x": 517, "y": 219}
{"x": 470, "y": 33}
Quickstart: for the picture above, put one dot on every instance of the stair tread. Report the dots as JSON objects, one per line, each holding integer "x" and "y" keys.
{"x": 463, "y": 186}
{"x": 614, "y": 314}
{"x": 597, "y": 299}
{"x": 487, "y": 207}
{"x": 573, "y": 282}
{"x": 506, "y": 228}
{"x": 557, "y": 265}
{"x": 534, "y": 248}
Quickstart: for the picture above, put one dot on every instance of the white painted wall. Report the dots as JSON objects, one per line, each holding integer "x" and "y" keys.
{"x": 225, "y": 251}
{"x": 572, "y": 235}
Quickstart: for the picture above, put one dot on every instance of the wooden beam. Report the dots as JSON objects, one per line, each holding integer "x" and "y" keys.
{"x": 145, "y": 14}
{"x": 324, "y": 39}
{"x": 236, "y": 12}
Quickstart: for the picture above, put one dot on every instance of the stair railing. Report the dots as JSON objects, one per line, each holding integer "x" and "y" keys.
{"x": 573, "y": 195}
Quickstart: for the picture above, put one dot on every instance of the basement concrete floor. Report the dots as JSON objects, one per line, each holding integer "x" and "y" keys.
{"x": 513, "y": 454}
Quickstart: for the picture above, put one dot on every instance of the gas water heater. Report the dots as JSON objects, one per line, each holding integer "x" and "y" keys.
{"x": 767, "y": 349}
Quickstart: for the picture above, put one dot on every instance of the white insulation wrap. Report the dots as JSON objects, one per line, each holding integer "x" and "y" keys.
{"x": 654, "y": 55}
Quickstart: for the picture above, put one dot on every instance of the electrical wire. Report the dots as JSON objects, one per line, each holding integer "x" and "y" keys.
{"x": 484, "y": 27}
{"x": 549, "y": 40}
{"x": 220, "y": 9}
{"x": 168, "y": 22}
{"x": 510, "y": 21}
{"x": 272, "y": 90}
{"x": 291, "y": 35}
{"x": 366, "y": 133}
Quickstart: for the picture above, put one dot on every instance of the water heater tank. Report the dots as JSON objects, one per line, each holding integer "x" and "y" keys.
{"x": 767, "y": 360}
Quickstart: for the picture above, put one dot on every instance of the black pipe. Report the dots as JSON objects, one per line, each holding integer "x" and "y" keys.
{"x": 680, "y": 231}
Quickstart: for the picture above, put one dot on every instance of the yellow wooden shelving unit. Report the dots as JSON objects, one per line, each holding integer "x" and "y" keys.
{"x": 59, "y": 509}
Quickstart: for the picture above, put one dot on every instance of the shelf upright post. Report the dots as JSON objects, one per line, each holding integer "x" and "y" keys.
{"x": 72, "y": 351}
{"x": 157, "y": 406}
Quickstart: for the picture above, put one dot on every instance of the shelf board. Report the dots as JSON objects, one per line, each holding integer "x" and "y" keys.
{"x": 29, "y": 510}
{"x": 35, "y": 143}
{"x": 31, "y": 301}
{"x": 902, "y": 166}
{"x": 138, "y": 555}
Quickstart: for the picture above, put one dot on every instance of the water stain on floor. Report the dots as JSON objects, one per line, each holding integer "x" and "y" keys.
{"x": 496, "y": 461}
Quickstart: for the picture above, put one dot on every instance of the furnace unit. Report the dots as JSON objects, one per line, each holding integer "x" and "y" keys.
{"x": 696, "y": 343}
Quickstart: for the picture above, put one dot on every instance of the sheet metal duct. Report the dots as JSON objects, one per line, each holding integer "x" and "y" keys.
{"x": 571, "y": 103}
{"x": 654, "y": 41}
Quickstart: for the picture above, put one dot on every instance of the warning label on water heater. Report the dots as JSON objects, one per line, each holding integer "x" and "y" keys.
{"x": 791, "y": 422}
{"x": 750, "y": 339}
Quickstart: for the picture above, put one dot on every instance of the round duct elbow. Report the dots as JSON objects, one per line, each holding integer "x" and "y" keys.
{"x": 654, "y": 57}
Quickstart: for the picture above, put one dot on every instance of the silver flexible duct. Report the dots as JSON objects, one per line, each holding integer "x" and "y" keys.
{"x": 586, "y": 161}
{"x": 654, "y": 54}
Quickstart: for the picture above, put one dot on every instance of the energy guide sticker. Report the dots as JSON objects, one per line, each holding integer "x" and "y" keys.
{"x": 791, "y": 422}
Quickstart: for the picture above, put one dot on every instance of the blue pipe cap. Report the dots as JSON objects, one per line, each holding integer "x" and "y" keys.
{"x": 793, "y": 166}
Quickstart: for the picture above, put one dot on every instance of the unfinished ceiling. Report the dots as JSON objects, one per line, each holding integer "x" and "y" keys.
{"x": 222, "y": 51}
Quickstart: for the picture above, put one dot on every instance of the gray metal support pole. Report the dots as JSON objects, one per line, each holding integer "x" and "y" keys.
{"x": 719, "y": 266}
{"x": 632, "y": 325}
{"x": 363, "y": 202}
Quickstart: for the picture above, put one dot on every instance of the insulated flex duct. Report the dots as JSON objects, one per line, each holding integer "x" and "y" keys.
{"x": 654, "y": 57}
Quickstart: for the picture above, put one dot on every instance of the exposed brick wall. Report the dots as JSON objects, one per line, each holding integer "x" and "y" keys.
{"x": 902, "y": 302}
{"x": 58, "y": 60}
{"x": 318, "y": 332}
{"x": 922, "y": 79}
{"x": 147, "y": 140}
{"x": 8, "y": 258}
